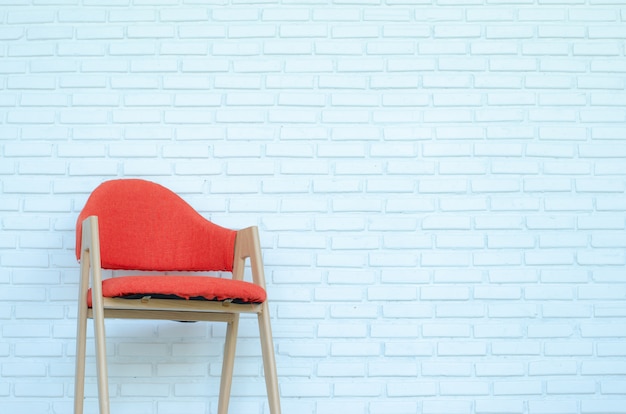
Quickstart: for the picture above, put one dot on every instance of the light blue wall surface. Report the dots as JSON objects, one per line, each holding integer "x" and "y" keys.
{"x": 439, "y": 187}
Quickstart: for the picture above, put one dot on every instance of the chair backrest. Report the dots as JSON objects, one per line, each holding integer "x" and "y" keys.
{"x": 145, "y": 226}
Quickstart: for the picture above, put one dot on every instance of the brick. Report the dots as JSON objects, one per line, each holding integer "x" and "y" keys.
{"x": 595, "y": 82}
{"x": 509, "y": 32}
{"x": 612, "y": 387}
{"x": 391, "y": 293}
{"x": 552, "y": 407}
{"x": 355, "y": 311}
{"x": 550, "y": 222}
{"x": 411, "y": 389}
{"x": 447, "y": 369}
{"x": 566, "y": 311}
{"x": 444, "y": 293}
{"x": 446, "y": 406}
{"x": 554, "y": 258}
{"x": 547, "y": 293}
{"x": 41, "y": 391}
{"x": 343, "y": 260}
{"x": 392, "y": 370}
{"x": 442, "y": 47}
{"x": 26, "y": 349}
{"x": 358, "y": 204}
{"x": 601, "y": 258}
{"x": 610, "y": 349}
{"x": 404, "y": 311}
{"x": 460, "y": 348}
{"x": 457, "y": 276}
{"x": 608, "y": 406}
{"x": 360, "y": 390}
{"x": 570, "y": 387}
{"x": 597, "y": 15}
{"x": 394, "y": 331}
{"x": 364, "y": 349}
{"x": 26, "y": 50}
{"x": 293, "y": 99}
{"x": 499, "y": 369}
{"x": 551, "y": 368}
{"x": 459, "y": 310}
{"x": 444, "y": 259}
{"x": 570, "y": 348}
{"x": 603, "y": 331}
{"x": 603, "y": 368}
{"x": 500, "y": 406}
{"x": 606, "y": 275}
{"x": 507, "y": 242}
{"x": 447, "y": 81}
{"x": 518, "y": 388}
{"x": 404, "y": 276}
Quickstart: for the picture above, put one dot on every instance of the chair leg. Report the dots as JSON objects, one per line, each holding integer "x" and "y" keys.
{"x": 81, "y": 334}
{"x": 228, "y": 365}
{"x": 81, "y": 345}
{"x": 101, "y": 363}
{"x": 269, "y": 360}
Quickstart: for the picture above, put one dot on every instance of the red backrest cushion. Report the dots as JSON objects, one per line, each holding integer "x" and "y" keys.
{"x": 145, "y": 226}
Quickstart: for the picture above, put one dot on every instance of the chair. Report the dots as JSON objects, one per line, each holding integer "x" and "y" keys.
{"x": 132, "y": 224}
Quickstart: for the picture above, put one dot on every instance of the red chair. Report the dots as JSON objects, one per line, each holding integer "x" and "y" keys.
{"x": 133, "y": 224}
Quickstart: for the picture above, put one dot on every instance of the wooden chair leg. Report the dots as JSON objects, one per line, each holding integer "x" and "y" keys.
{"x": 269, "y": 360}
{"x": 101, "y": 362}
{"x": 81, "y": 345}
{"x": 103, "y": 377}
{"x": 81, "y": 334}
{"x": 228, "y": 364}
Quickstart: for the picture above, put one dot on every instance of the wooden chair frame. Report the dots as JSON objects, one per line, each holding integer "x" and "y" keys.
{"x": 247, "y": 246}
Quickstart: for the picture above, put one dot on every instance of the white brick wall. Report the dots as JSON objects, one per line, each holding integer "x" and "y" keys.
{"x": 439, "y": 185}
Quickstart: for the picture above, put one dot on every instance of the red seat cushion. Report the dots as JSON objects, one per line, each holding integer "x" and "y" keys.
{"x": 183, "y": 287}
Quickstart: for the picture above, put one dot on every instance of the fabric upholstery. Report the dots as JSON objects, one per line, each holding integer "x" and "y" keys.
{"x": 183, "y": 287}
{"x": 145, "y": 226}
